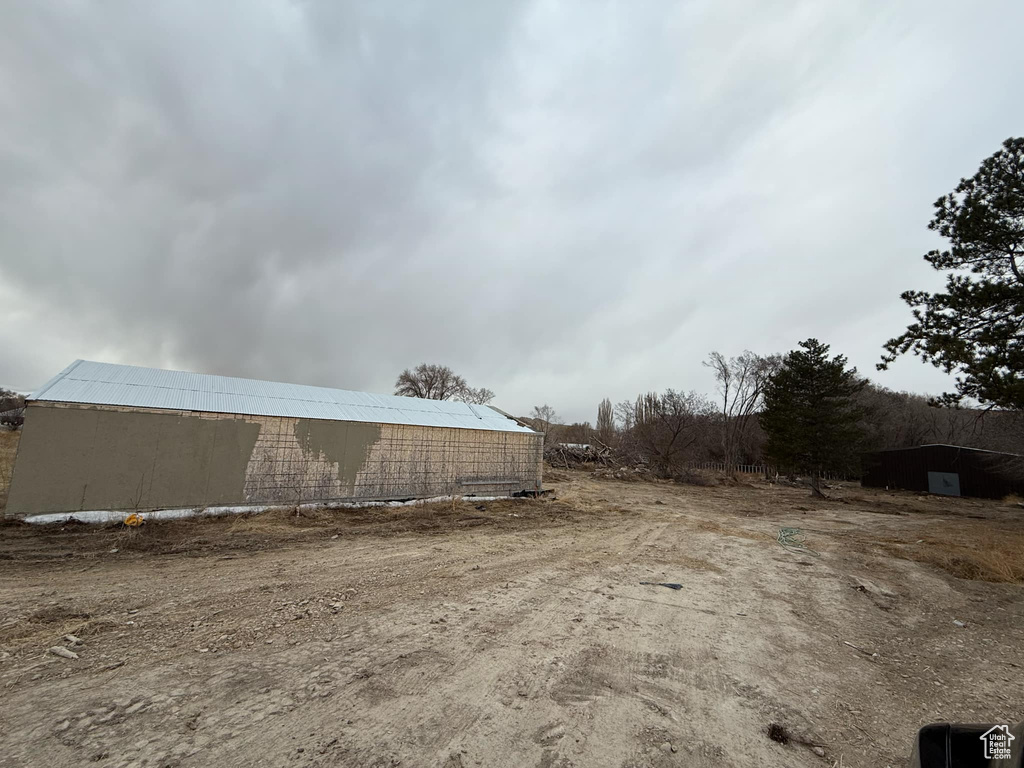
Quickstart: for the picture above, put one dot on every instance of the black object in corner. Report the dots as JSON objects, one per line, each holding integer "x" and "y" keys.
{"x": 950, "y": 745}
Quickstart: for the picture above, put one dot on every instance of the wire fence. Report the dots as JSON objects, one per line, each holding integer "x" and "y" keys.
{"x": 402, "y": 461}
{"x": 764, "y": 470}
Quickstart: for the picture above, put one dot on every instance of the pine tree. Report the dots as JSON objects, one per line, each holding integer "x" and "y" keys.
{"x": 975, "y": 328}
{"x": 810, "y": 415}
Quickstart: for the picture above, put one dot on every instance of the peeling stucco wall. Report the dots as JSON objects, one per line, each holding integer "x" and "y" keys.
{"x": 297, "y": 460}
{"x": 411, "y": 461}
{"x": 92, "y": 458}
{"x": 75, "y": 458}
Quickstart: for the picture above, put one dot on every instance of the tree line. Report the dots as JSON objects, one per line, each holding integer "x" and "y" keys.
{"x": 807, "y": 411}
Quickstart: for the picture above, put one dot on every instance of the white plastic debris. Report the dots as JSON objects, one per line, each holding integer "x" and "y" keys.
{"x": 114, "y": 516}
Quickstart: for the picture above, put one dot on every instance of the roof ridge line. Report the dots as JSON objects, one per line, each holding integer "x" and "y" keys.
{"x": 86, "y": 382}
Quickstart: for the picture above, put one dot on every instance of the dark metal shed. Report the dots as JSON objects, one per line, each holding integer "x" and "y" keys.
{"x": 951, "y": 470}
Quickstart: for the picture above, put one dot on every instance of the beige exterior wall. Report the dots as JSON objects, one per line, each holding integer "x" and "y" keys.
{"x": 74, "y": 458}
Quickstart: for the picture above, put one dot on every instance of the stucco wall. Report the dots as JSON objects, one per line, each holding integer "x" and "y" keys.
{"x": 74, "y": 458}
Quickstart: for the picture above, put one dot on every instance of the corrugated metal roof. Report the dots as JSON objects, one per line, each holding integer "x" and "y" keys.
{"x": 94, "y": 383}
{"x": 943, "y": 445}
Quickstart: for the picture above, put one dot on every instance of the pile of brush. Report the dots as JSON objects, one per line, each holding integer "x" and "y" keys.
{"x": 571, "y": 455}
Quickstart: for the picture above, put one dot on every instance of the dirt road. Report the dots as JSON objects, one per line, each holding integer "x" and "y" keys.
{"x": 510, "y": 633}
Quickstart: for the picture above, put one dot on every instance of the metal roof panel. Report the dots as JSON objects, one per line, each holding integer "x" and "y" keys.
{"x": 89, "y": 382}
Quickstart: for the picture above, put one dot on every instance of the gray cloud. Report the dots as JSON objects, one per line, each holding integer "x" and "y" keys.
{"x": 563, "y": 201}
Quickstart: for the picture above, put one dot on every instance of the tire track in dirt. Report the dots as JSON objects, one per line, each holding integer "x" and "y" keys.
{"x": 613, "y": 674}
{"x": 534, "y": 617}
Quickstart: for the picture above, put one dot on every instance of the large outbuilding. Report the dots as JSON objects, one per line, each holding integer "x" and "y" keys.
{"x": 950, "y": 470}
{"x": 115, "y": 437}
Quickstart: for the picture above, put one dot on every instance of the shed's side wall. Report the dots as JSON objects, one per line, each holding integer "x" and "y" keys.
{"x": 982, "y": 474}
{"x": 74, "y": 458}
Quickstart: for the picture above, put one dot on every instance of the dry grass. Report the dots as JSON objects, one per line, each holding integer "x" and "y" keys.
{"x": 443, "y": 515}
{"x": 699, "y": 477}
{"x": 46, "y": 627}
{"x": 976, "y": 553}
{"x": 203, "y": 536}
{"x": 570, "y": 497}
{"x": 8, "y": 449}
{"x": 271, "y": 521}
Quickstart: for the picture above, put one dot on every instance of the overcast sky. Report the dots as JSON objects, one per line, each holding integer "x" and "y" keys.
{"x": 562, "y": 201}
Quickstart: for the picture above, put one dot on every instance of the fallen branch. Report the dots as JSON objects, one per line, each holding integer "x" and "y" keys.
{"x": 869, "y": 654}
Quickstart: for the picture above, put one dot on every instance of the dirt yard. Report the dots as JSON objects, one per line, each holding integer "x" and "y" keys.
{"x": 517, "y": 633}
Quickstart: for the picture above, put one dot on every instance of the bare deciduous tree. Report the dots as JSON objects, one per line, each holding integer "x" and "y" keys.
{"x": 545, "y": 416}
{"x": 669, "y": 428}
{"x": 904, "y": 419}
{"x": 741, "y": 383}
{"x": 481, "y": 396}
{"x": 580, "y": 433}
{"x": 439, "y": 382}
{"x": 605, "y": 422}
{"x": 624, "y": 415}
